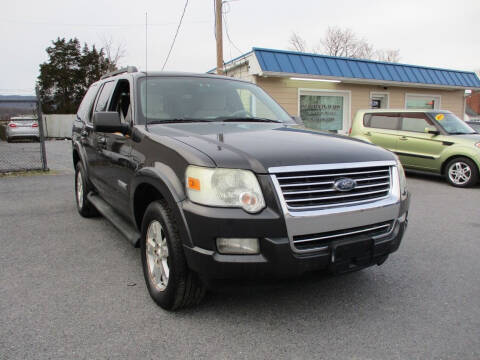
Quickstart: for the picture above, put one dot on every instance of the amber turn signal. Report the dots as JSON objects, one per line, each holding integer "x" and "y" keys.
{"x": 194, "y": 184}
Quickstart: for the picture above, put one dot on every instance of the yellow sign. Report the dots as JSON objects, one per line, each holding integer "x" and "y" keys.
{"x": 439, "y": 117}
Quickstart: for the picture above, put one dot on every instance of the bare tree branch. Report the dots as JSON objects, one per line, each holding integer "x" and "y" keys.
{"x": 297, "y": 43}
{"x": 390, "y": 55}
{"x": 344, "y": 42}
{"x": 113, "y": 52}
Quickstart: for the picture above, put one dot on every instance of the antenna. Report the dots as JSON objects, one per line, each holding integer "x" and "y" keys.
{"x": 146, "y": 71}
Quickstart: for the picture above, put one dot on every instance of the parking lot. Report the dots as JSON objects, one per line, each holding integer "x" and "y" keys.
{"x": 73, "y": 288}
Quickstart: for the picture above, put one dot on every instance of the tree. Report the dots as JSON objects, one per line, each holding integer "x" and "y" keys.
{"x": 344, "y": 42}
{"x": 297, "y": 43}
{"x": 392, "y": 55}
{"x": 68, "y": 73}
{"x": 113, "y": 52}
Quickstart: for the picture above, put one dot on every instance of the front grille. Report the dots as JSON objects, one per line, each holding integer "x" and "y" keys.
{"x": 321, "y": 241}
{"x": 315, "y": 189}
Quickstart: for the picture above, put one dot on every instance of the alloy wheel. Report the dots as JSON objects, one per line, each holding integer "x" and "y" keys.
{"x": 460, "y": 173}
{"x": 157, "y": 255}
{"x": 79, "y": 189}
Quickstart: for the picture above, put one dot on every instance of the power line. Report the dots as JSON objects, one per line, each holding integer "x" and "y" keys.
{"x": 176, "y": 34}
{"x": 20, "y": 22}
{"x": 228, "y": 35}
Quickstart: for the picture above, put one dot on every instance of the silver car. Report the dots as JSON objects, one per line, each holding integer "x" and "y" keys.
{"x": 22, "y": 127}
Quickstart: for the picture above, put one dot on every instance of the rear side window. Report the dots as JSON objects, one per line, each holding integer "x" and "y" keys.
{"x": 104, "y": 96}
{"x": 382, "y": 121}
{"x": 416, "y": 122}
{"x": 87, "y": 102}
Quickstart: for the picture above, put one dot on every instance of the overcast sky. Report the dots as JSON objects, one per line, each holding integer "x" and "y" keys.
{"x": 440, "y": 33}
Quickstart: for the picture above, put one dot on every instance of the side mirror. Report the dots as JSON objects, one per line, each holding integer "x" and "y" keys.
{"x": 298, "y": 120}
{"x": 109, "y": 122}
{"x": 432, "y": 130}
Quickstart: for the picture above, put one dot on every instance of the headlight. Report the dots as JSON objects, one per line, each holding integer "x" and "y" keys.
{"x": 403, "y": 180}
{"x": 224, "y": 187}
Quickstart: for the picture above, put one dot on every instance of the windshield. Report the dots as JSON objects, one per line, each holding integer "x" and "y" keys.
{"x": 452, "y": 124}
{"x": 167, "y": 99}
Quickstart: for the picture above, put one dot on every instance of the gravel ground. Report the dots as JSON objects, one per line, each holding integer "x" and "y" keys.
{"x": 73, "y": 288}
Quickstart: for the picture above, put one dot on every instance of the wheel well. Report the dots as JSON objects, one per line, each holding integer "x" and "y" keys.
{"x": 76, "y": 158}
{"x": 444, "y": 165}
{"x": 144, "y": 195}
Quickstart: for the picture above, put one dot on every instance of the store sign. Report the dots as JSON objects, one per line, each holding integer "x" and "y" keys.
{"x": 322, "y": 112}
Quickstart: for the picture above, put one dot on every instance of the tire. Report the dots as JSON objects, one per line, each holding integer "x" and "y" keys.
{"x": 84, "y": 206}
{"x": 171, "y": 284}
{"x": 461, "y": 172}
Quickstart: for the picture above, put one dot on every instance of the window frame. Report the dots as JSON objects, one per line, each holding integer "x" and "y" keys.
{"x": 385, "y": 94}
{"x": 347, "y": 103}
{"x": 437, "y": 106}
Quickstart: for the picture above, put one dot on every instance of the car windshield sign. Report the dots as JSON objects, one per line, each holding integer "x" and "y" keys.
{"x": 452, "y": 124}
{"x": 205, "y": 99}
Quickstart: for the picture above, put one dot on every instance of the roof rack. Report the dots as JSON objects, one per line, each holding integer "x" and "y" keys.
{"x": 128, "y": 69}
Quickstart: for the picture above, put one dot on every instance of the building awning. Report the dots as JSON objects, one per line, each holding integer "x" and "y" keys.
{"x": 289, "y": 63}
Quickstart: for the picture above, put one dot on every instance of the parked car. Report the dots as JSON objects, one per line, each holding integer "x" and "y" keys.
{"x": 22, "y": 127}
{"x": 475, "y": 125}
{"x": 214, "y": 180}
{"x": 425, "y": 140}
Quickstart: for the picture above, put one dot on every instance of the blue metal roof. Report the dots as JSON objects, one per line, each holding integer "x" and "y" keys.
{"x": 291, "y": 62}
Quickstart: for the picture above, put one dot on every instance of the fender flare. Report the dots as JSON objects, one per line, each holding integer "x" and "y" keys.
{"x": 82, "y": 156}
{"x": 164, "y": 180}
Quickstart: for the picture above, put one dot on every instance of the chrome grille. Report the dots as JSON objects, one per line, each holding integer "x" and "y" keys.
{"x": 315, "y": 188}
{"x": 321, "y": 241}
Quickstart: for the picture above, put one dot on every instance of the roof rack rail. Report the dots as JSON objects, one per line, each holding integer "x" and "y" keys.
{"x": 128, "y": 69}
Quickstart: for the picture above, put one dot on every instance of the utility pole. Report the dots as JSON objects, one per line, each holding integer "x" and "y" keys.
{"x": 218, "y": 35}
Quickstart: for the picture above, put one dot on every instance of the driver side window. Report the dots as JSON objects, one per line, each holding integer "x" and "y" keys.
{"x": 121, "y": 102}
{"x": 414, "y": 122}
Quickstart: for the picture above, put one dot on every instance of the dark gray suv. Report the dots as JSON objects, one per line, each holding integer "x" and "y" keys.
{"x": 212, "y": 179}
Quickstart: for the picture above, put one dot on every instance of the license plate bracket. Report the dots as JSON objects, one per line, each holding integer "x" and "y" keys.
{"x": 348, "y": 255}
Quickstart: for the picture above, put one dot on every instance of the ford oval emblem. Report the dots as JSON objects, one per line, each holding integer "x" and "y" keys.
{"x": 344, "y": 184}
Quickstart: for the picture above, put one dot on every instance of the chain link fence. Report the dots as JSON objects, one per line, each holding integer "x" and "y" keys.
{"x": 22, "y": 140}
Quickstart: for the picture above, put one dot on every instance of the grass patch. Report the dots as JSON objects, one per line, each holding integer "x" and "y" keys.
{"x": 29, "y": 173}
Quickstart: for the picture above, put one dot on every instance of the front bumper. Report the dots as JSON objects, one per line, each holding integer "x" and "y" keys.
{"x": 277, "y": 257}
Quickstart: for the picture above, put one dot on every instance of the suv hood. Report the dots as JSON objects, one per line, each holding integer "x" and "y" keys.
{"x": 259, "y": 146}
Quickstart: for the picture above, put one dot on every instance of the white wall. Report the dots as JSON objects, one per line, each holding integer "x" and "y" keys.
{"x": 58, "y": 125}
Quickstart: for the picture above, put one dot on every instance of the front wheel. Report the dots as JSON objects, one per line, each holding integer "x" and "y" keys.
{"x": 84, "y": 206}
{"x": 461, "y": 172}
{"x": 171, "y": 284}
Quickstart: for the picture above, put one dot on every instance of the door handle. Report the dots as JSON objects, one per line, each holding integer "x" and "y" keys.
{"x": 368, "y": 133}
{"x": 101, "y": 140}
{"x": 403, "y": 138}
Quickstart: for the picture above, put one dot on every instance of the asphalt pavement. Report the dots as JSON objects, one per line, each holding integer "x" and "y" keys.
{"x": 73, "y": 288}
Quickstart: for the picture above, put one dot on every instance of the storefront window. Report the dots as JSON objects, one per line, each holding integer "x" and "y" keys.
{"x": 322, "y": 112}
{"x": 422, "y": 102}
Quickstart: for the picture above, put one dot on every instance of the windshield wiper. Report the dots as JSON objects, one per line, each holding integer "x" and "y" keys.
{"x": 462, "y": 133}
{"x": 245, "y": 119}
{"x": 180, "y": 120}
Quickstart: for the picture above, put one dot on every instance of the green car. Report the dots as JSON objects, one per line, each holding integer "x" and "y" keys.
{"x": 425, "y": 140}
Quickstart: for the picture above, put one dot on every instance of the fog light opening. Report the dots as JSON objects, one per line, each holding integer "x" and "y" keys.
{"x": 238, "y": 246}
